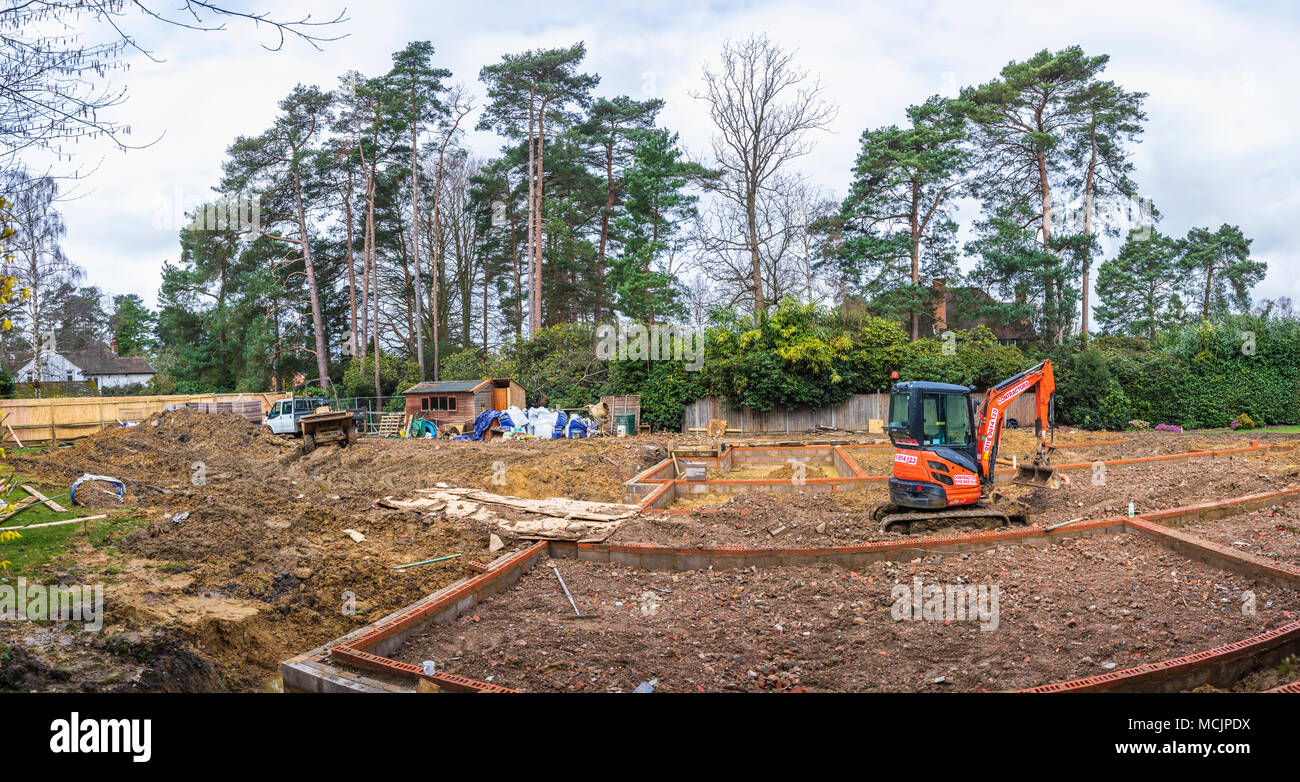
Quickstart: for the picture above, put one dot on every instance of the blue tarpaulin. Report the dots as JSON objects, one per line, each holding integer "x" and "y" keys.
{"x": 577, "y": 427}
{"x": 484, "y": 422}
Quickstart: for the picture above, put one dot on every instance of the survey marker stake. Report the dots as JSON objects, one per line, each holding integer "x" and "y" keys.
{"x": 565, "y": 587}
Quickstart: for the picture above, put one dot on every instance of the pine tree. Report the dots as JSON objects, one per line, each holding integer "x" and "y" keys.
{"x": 1023, "y": 122}
{"x": 656, "y": 206}
{"x": 896, "y": 223}
{"x": 1138, "y": 289}
{"x": 1219, "y": 270}
{"x": 527, "y": 91}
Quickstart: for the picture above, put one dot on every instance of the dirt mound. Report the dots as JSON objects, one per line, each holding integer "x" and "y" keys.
{"x": 178, "y": 446}
{"x": 159, "y": 661}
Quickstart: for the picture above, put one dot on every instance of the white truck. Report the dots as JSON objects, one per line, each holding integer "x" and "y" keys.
{"x": 286, "y": 415}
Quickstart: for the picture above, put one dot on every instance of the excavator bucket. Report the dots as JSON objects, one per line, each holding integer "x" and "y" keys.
{"x": 1039, "y": 475}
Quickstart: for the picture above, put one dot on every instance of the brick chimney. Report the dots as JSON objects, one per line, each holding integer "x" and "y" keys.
{"x": 940, "y": 299}
{"x": 113, "y": 345}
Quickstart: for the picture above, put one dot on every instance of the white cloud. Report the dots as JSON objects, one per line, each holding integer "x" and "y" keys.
{"x": 1218, "y": 146}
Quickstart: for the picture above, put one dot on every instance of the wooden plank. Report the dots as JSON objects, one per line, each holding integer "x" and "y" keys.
{"x": 49, "y": 503}
{"x": 59, "y": 523}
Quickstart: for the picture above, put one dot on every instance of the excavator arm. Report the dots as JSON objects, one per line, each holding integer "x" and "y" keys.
{"x": 993, "y": 416}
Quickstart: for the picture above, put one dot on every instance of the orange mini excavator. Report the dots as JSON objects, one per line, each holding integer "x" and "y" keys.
{"x": 945, "y": 461}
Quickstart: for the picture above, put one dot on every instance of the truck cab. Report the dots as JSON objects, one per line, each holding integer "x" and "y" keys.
{"x": 285, "y": 414}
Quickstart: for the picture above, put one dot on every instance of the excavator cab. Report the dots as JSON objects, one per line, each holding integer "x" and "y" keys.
{"x": 933, "y": 427}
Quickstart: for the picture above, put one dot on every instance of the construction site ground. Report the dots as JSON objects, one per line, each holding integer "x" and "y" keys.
{"x": 232, "y": 551}
{"x": 1068, "y": 611}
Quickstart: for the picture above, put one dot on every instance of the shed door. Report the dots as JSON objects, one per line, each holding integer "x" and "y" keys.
{"x": 501, "y": 398}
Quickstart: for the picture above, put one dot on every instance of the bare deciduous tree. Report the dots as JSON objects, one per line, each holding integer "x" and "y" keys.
{"x": 763, "y": 107}
{"x": 55, "y": 56}
{"x": 39, "y": 266}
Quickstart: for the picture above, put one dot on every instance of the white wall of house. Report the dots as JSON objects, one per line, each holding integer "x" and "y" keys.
{"x": 113, "y": 381}
{"x": 54, "y": 368}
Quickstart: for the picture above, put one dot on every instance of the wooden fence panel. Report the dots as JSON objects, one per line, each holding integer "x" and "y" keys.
{"x": 855, "y": 414}
{"x": 67, "y": 418}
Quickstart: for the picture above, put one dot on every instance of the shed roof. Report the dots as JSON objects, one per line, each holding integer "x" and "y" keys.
{"x": 446, "y": 387}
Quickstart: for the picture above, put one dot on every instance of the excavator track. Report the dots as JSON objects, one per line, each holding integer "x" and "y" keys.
{"x": 910, "y": 521}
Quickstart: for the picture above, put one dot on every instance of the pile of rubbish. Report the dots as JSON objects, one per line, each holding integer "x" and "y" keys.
{"x": 537, "y": 422}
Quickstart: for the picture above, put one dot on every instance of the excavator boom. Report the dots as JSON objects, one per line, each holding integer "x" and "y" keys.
{"x": 993, "y": 417}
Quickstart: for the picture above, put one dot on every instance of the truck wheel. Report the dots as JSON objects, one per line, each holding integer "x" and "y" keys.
{"x": 308, "y": 443}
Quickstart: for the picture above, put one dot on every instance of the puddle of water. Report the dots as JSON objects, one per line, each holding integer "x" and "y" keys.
{"x": 274, "y": 684}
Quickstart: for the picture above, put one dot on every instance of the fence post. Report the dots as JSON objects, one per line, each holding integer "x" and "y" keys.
{"x": 53, "y": 435}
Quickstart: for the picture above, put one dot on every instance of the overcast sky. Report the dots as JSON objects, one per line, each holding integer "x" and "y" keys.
{"x": 1219, "y": 144}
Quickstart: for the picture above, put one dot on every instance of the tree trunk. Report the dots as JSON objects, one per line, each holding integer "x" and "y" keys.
{"x": 437, "y": 254}
{"x": 415, "y": 248}
{"x": 1088, "y": 186}
{"x": 916, "y": 253}
{"x": 537, "y": 237}
{"x": 322, "y": 352}
{"x": 1052, "y": 322}
{"x": 532, "y": 214}
{"x": 374, "y": 281}
{"x": 352, "y": 275}
{"x": 1209, "y": 280}
{"x": 751, "y": 221}
{"x": 604, "y": 227}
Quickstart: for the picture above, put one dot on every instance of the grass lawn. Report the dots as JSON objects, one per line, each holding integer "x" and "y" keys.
{"x": 42, "y": 552}
{"x": 1270, "y": 429}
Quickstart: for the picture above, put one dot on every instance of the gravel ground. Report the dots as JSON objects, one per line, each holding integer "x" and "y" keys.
{"x": 1065, "y": 611}
{"x": 1269, "y": 532}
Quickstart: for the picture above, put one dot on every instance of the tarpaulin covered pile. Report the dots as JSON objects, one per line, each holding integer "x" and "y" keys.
{"x": 540, "y": 422}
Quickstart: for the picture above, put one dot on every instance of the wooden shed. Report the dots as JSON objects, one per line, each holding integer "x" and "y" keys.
{"x": 460, "y": 401}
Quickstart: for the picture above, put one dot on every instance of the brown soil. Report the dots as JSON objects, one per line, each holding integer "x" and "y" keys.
{"x": 1078, "y": 609}
{"x": 1075, "y": 448}
{"x": 1261, "y": 679}
{"x": 770, "y": 472}
{"x": 1269, "y": 532}
{"x": 260, "y": 569}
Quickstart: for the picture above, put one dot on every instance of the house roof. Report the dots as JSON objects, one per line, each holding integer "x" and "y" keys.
{"x": 100, "y": 361}
{"x": 103, "y": 362}
{"x": 446, "y": 387}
